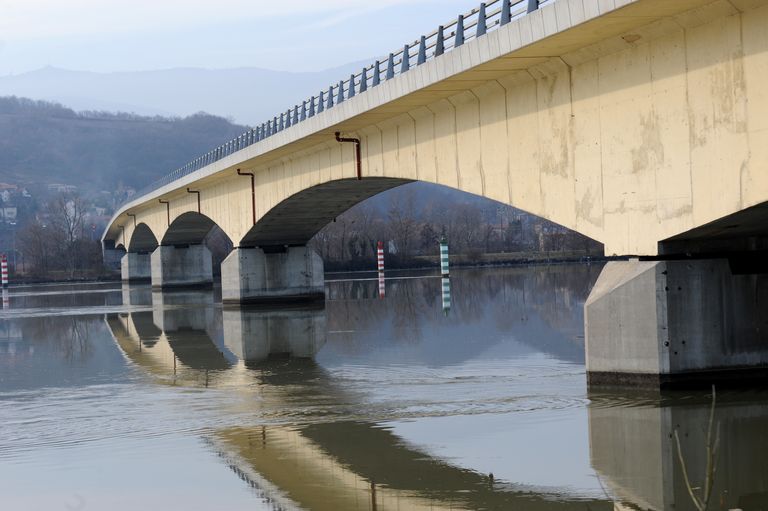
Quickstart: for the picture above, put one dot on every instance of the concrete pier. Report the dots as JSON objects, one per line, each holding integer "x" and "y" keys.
{"x": 113, "y": 257}
{"x": 189, "y": 266}
{"x": 136, "y": 267}
{"x": 250, "y": 275}
{"x": 664, "y": 323}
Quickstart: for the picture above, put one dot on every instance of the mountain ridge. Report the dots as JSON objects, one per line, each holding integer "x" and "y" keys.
{"x": 246, "y": 95}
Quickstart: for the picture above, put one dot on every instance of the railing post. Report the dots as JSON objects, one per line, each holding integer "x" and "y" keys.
{"x": 303, "y": 114}
{"x": 506, "y": 12}
{"x": 340, "y": 97}
{"x": 390, "y": 67}
{"x": 482, "y": 26}
{"x": 406, "y": 64}
{"x": 351, "y": 91}
{"x": 459, "y": 40}
{"x": 376, "y": 74}
{"x": 321, "y": 102}
{"x": 533, "y": 5}
{"x": 440, "y": 44}
{"x": 329, "y": 103}
{"x": 311, "y": 107}
{"x": 364, "y": 80}
{"x": 422, "y": 58}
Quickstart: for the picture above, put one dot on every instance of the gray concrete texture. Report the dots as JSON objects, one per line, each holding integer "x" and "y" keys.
{"x": 675, "y": 318}
{"x": 182, "y": 266}
{"x": 251, "y": 275}
{"x": 135, "y": 268}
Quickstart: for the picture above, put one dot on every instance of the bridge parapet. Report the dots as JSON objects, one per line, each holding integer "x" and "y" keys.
{"x": 471, "y": 25}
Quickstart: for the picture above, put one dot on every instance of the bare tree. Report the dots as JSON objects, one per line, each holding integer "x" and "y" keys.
{"x": 66, "y": 213}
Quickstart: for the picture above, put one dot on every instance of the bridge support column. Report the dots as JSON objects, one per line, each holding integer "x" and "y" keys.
{"x": 136, "y": 267}
{"x": 174, "y": 267}
{"x": 667, "y": 323}
{"x": 249, "y": 275}
{"x": 112, "y": 258}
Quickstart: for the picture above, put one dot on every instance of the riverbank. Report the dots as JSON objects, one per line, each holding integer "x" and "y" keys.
{"x": 417, "y": 263}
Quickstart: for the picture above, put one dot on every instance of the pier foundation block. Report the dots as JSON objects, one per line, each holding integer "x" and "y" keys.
{"x": 673, "y": 323}
{"x": 249, "y": 275}
{"x": 174, "y": 267}
{"x": 136, "y": 267}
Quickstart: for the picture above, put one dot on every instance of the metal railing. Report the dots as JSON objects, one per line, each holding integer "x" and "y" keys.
{"x": 476, "y": 23}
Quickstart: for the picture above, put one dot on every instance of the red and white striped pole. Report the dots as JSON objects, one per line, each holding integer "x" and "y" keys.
{"x": 380, "y": 257}
{"x": 4, "y": 267}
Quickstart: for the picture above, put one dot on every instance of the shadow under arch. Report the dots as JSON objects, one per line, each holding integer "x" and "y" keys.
{"x": 143, "y": 240}
{"x": 295, "y": 220}
{"x": 190, "y": 228}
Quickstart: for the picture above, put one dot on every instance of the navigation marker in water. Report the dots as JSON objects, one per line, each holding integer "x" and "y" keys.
{"x": 443, "y": 257}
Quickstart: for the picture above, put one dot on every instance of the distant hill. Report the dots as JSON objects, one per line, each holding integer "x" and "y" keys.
{"x": 247, "y": 95}
{"x": 43, "y": 142}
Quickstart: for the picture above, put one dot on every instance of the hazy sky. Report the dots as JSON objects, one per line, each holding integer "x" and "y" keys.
{"x": 127, "y": 35}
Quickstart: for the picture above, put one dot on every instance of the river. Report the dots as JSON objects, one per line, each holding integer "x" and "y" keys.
{"x": 407, "y": 394}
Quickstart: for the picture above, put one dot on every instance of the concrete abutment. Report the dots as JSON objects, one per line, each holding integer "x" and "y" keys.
{"x": 671, "y": 323}
{"x": 175, "y": 267}
{"x": 251, "y": 275}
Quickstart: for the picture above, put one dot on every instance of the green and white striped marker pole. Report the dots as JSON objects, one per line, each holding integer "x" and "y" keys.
{"x": 444, "y": 257}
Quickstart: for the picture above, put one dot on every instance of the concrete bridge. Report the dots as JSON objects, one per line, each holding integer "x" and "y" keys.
{"x": 642, "y": 124}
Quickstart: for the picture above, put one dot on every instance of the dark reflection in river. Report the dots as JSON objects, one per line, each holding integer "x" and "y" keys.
{"x": 128, "y": 398}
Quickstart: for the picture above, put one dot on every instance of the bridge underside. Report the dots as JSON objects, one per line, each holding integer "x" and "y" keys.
{"x": 297, "y": 219}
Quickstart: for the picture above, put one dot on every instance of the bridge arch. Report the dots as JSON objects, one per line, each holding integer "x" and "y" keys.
{"x": 143, "y": 240}
{"x": 190, "y": 228}
{"x": 295, "y": 220}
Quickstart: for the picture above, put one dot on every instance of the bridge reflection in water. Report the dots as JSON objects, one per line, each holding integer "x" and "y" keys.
{"x": 330, "y": 460}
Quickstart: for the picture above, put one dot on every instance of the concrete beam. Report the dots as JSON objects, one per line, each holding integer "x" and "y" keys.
{"x": 174, "y": 267}
{"x": 667, "y": 323}
{"x": 249, "y": 275}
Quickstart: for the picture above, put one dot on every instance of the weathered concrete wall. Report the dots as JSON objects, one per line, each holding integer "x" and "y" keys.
{"x": 181, "y": 267}
{"x": 662, "y": 320}
{"x": 250, "y": 275}
{"x": 136, "y": 268}
{"x": 655, "y": 128}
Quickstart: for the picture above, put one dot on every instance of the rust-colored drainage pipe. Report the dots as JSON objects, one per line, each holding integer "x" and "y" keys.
{"x": 358, "y": 157}
{"x": 253, "y": 191}
{"x": 198, "y": 198}
{"x": 167, "y": 209}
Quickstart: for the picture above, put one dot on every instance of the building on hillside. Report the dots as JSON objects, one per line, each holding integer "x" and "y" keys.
{"x": 61, "y": 188}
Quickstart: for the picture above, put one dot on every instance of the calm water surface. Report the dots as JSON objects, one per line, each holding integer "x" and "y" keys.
{"x": 122, "y": 398}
